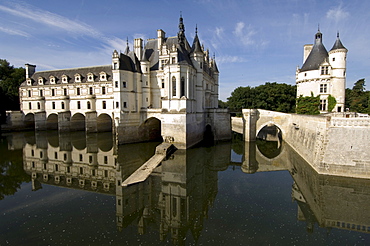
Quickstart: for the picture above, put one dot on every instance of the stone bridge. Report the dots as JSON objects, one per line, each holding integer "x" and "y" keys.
{"x": 331, "y": 145}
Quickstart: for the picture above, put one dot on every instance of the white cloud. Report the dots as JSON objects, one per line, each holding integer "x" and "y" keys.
{"x": 337, "y": 14}
{"x": 59, "y": 22}
{"x": 245, "y": 34}
{"x": 230, "y": 59}
{"x": 14, "y": 32}
{"x": 219, "y": 32}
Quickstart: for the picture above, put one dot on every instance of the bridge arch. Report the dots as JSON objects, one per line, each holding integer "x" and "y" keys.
{"x": 150, "y": 129}
{"x": 77, "y": 122}
{"x": 269, "y": 131}
{"x": 104, "y": 123}
{"x": 52, "y": 122}
{"x": 29, "y": 120}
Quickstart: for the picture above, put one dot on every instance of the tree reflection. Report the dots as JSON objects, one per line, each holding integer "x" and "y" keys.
{"x": 12, "y": 174}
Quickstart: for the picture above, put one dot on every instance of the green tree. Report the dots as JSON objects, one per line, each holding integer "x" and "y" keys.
{"x": 270, "y": 96}
{"x": 222, "y": 104}
{"x": 357, "y": 98}
{"x": 308, "y": 105}
{"x": 10, "y": 80}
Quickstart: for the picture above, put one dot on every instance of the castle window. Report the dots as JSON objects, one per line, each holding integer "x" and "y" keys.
{"x": 38, "y": 105}
{"x": 62, "y": 105}
{"x": 65, "y": 91}
{"x": 65, "y": 79}
{"x": 125, "y": 104}
{"x": 29, "y": 82}
{"x": 173, "y": 86}
{"x": 105, "y": 159}
{"x": 77, "y": 77}
{"x": 324, "y": 70}
{"x": 81, "y": 157}
{"x": 41, "y": 80}
{"x": 56, "y": 155}
{"x": 29, "y": 93}
{"x": 124, "y": 84}
{"x": 115, "y": 66}
{"x": 104, "y": 104}
{"x": 30, "y": 105}
{"x": 78, "y": 105}
{"x": 91, "y": 90}
{"x": 323, "y": 105}
{"x": 182, "y": 87}
{"x": 52, "y": 92}
{"x": 323, "y": 88}
{"x": 103, "y": 90}
{"x": 41, "y": 93}
{"x": 173, "y": 60}
{"x": 116, "y": 84}
{"x": 90, "y": 77}
{"x": 333, "y": 58}
{"x": 88, "y": 105}
{"x": 78, "y": 91}
{"x": 53, "y": 105}
{"x": 90, "y": 159}
{"x": 103, "y": 76}
{"x": 117, "y": 104}
{"x": 52, "y": 79}
{"x": 162, "y": 83}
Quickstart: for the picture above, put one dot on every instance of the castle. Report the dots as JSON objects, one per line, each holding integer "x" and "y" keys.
{"x": 164, "y": 89}
{"x": 323, "y": 73}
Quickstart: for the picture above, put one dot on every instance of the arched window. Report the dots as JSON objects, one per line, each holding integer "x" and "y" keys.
{"x": 182, "y": 87}
{"x": 173, "y": 86}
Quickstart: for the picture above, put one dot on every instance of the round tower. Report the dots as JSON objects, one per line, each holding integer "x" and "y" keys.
{"x": 337, "y": 60}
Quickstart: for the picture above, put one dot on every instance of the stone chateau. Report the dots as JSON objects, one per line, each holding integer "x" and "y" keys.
{"x": 165, "y": 88}
{"x": 323, "y": 73}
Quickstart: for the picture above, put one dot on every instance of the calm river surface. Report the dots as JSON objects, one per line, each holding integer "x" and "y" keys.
{"x": 66, "y": 190}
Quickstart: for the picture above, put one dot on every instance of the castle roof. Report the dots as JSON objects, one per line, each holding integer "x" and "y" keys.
{"x": 338, "y": 44}
{"x": 70, "y": 73}
{"x": 317, "y": 55}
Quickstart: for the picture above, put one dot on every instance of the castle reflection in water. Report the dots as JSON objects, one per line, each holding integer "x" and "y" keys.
{"x": 177, "y": 196}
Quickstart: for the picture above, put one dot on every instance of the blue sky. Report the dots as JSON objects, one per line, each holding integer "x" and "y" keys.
{"x": 254, "y": 41}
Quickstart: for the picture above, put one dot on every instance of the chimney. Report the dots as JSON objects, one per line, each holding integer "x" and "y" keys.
{"x": 306, "y": 51}
{"x": 138, "y": 47}
{"x": 30, "y": 70}
{"x": 161, "y": 35}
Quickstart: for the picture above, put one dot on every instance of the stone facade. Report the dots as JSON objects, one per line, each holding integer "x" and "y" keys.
{"x": 166, "y": 88}
{"x": 323, "y": 73}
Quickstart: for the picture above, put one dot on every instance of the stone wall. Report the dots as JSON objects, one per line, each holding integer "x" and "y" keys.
{"x": 331, "y": 145}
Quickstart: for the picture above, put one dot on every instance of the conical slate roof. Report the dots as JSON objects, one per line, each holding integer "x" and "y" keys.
{"x": 317, "y": 55}
{"x": 338, "y": 44}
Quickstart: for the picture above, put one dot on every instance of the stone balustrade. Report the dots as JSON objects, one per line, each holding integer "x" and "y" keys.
{"x": 350, "y": 122}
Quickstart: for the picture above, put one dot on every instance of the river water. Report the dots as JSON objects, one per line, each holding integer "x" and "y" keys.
{"x": 66, "y": 190}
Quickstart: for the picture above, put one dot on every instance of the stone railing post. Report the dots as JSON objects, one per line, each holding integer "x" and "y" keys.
{"x": 250, "y": 124}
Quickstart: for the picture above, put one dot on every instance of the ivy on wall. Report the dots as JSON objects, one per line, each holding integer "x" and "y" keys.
{"x": 331, "y": 103}
{"x": 308, "y": 105}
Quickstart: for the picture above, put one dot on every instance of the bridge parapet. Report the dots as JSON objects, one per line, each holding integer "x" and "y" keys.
{"x": 350, "y": 122}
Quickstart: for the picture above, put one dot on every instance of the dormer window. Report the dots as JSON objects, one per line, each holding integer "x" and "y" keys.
{"x": 77, "y": 77}
{"x": 52, "y": 79}
{"x": 29, "y": 81}
{"x": 41, "y": 80}
{"x": 90, "y": 77}
{"x": 103, "y": 76}
{"x": 324, "y": 70}
{"x": 64, "y": 79}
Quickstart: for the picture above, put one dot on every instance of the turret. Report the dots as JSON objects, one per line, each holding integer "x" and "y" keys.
{"x": 338, "y": 55}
